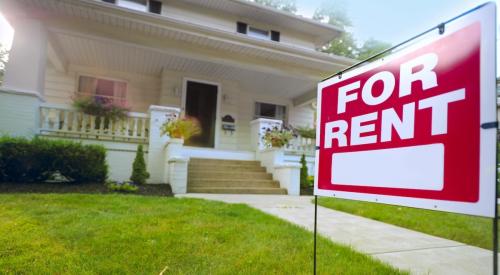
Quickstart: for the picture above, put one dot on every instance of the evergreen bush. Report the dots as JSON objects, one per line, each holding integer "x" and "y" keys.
{"x": 304, "y": 182}
{"x": 139, "y": 172}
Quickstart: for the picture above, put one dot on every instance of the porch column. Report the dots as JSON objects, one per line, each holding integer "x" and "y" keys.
{"x": 23, "y": 85}
{"x": 156, "y": 154}
{"x": 258, "y": 128}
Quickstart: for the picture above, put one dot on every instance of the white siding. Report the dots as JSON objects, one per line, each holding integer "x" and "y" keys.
{"x": 142, "y": 90}
{"x": 227, "y": 22}
{"x": 302, "y": 116}
{"x": 166, "y": 90}
{"x": 234, "y": 101}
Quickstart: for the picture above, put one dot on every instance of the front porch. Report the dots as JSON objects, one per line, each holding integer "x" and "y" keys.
{"x": 259, "y": 170}
{"x": 150, "y": 65}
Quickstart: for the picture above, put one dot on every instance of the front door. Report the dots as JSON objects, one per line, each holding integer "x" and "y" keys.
{"x": 201, "y": 103}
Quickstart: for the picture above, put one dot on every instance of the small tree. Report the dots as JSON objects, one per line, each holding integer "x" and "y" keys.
{"x": 303, "y": 172}
{"x": 139, "y": 172}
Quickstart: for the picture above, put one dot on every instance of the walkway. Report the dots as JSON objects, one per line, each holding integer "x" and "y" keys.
{"x": 399, "y": 247}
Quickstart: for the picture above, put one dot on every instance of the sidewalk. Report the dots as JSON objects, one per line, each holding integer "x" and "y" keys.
{"x": 402, "y": 248}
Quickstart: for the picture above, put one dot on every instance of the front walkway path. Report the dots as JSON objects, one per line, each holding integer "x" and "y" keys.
{"x": 402, "y": 248}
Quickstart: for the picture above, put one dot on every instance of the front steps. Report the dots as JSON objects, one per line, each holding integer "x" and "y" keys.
{"x": 230, "y": 177}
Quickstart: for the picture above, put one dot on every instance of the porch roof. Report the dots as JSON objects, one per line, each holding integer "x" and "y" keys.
{"x": 88, "y": 32}
{"x": 109, "y": 54}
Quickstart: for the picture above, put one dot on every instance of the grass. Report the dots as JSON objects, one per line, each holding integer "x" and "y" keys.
{"x": 471, "y": 230}
{"x": 128, "y": 234}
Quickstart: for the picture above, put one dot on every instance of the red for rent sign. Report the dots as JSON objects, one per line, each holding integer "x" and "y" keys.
{"x": 415, "y": 129}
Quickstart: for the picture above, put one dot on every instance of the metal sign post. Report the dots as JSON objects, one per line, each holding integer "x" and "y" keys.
{"x": 394, "y": 130}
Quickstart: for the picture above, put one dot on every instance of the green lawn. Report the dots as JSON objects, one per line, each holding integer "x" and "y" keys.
{"x": 475, "y": 231}
{"x": 128, "y": 234}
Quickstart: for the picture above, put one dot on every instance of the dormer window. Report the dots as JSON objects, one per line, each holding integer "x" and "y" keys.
{"x": 257, "y": 32}
{"x": 138, "y": 5}
{"x": 153, "y": 6}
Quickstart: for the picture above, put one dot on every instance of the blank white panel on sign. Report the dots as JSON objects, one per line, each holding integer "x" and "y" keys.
{"x": 415, "y": 167}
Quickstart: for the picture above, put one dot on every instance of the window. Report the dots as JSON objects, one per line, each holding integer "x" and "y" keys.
{"x": 272, "y": 111}
{"x": 138, "y": 5}
{"x": 153, "y": 6}
{"x": 257, "y": 33}
{"x": 103, "y": 89}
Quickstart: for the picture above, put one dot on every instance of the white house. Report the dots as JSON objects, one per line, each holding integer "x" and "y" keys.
{"x": 167, "y": 58}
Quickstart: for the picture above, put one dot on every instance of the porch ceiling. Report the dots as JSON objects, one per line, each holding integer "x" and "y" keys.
{"x": 126, "y": 57}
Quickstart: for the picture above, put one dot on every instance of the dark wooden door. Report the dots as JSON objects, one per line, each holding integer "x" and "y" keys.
{"x": 201, "y": 103}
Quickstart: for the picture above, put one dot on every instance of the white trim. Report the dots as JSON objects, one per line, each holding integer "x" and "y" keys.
{"x": 217, "y": 108}
{"x": 210, "y": 153}
{"x": 79, "y": 74}
{"x": 9, "y": 90}
{"x": 488, "y": 113}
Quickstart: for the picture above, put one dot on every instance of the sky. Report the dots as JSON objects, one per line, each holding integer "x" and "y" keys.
{"x": 394, "y": 21}
{"x": 391, "y": 21}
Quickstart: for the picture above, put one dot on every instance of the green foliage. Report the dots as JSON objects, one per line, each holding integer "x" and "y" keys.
{"x": 4, "y": 54}
{"x": 121, "y": 234}
{"x": 184, "y": 128}
{"x": 372, "y": 47}
{"x": 277, "y": 137}
{"x": 303, "y": 172}
{"x": 101, "y": 107}
{"x": 306, "y": 132}
{"x": 462, "y": 228}
{"x": 125, "y": 187}
{"x": 284, "y": 5}
{"x": 310, "y": 180}
{"x": 334, "y": 13}
{"x": 139, "y": 172}
{"x": 36, "y": 160}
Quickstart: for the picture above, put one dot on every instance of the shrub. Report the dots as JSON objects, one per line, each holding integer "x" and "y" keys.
{"x": 126, "y": 187}
{"x": 36, "y": 160}
{"x": 277, "y": 137}
{"x": 306, "y": 132}
{"x": 184, "y": 128}
{"x": 303, "y": 172}
{"x": 139, "y": 172}
{"x": 310, "y": 180}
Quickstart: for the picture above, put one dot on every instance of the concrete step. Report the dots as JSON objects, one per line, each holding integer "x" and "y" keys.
{"x": 223, "y": 162}
{"x": 222, "y": 174}
{"x": 237, "y": 190}
{"x": 226, "y": 168}
{"x": 200, "y": 182}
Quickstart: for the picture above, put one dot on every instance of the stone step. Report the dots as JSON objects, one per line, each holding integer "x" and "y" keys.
{"x": 223, "y": 162}
{"x": 226, "y": 168}
{"x": 201, "y": 182}
{"x": 237, "y": 190}
{"x": 211, "y": 174}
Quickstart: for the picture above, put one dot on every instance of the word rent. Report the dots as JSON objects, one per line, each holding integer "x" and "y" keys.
{"x": 362, "y": 127}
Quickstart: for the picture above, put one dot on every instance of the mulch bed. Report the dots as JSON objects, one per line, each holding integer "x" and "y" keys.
{"x": 84, "y": 188}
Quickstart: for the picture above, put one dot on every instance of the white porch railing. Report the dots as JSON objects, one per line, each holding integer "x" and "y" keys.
{"x": 301, "y": 145}
{"x": 66, "y": 121}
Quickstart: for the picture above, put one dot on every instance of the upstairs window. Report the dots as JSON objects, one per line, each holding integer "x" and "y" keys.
{"x": 138, "y": 5}
{"x": 268, "y": 110}
{"x": 258, "y": 33}
{"x": 105, "y": 90}
{"x": 153, "y": 6}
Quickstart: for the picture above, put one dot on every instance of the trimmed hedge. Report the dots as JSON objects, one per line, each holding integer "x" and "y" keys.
{"x": 37, "y": 160}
